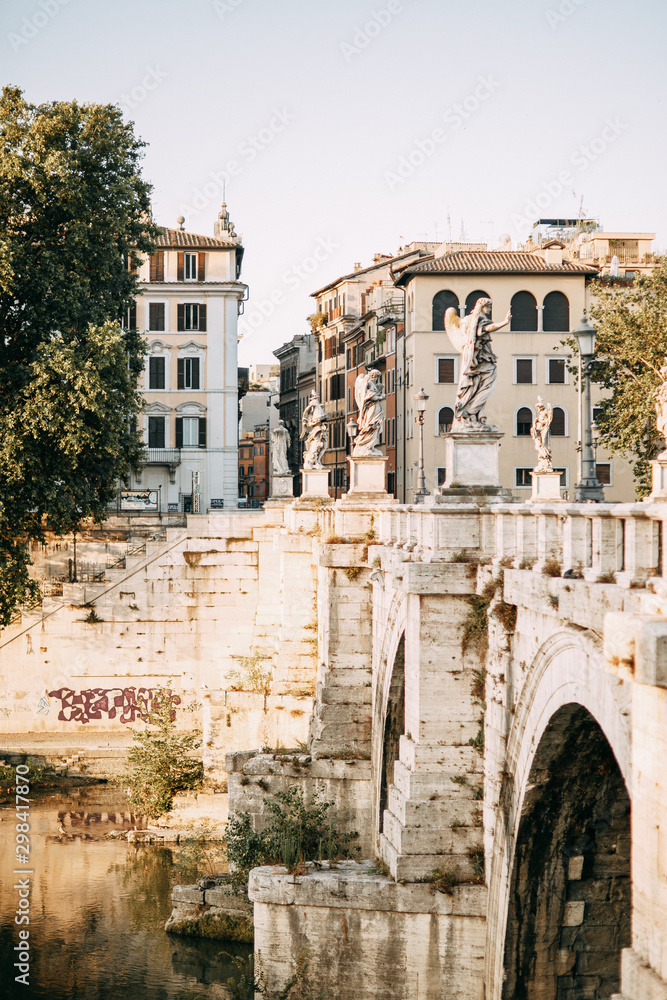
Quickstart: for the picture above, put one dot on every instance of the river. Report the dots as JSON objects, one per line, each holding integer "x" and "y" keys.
{"x": 98, "y": 908}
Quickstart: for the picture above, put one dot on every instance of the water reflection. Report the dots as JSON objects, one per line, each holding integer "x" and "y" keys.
{"x": 98, "y": 909}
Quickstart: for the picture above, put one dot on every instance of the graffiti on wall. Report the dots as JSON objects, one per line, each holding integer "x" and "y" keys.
{"x": 125, "y": 704}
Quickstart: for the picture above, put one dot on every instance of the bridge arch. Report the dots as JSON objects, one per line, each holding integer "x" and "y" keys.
{"x": 568, "y": 689}
{"x": 388, "y": 703}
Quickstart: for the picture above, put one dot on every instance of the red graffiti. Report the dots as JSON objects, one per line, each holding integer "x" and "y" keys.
{"x": 128, "y": 704}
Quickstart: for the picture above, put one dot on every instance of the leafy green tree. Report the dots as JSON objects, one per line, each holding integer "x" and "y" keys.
{"x": 74, "y": 210}
{"x": 160, "y": 761}
{"x": 631, "y": 346}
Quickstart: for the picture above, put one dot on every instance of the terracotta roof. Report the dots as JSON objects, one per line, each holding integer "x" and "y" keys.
{"x": 493, "y": 262}
{"x": 387, "y": 261}
{"x": 181, "y": 238}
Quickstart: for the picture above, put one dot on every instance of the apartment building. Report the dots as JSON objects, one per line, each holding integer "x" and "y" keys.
{"x": 254, "y": 466}
{"x": 547, "y": 285}
{"x": 297, "y": 360}
{"x": 187, "y": 309}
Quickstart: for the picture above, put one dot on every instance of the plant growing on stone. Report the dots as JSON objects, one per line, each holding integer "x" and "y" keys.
{"x": 252, "y": 676}
{"x": 160, "y": 759}
{"x": 198, "y": 856}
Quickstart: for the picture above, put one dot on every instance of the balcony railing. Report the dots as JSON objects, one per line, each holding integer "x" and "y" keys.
{"x": 163, "y": 456}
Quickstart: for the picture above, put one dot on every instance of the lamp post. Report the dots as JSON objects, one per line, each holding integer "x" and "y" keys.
{"x": 421, "y": 491}
{"x": 588, "y": 487}
{"x": 352, "y": 429}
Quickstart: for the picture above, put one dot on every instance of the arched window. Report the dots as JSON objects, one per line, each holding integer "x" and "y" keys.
{"x": 524, "y": 312}
{"x": 556, "y": 316}
{"x": 472, "y": 299}
{"x": 445, "y": 419}
{"x": 441, "y": 303}
{"x": 524, "y": 421}
{"x": 558, "y": 427}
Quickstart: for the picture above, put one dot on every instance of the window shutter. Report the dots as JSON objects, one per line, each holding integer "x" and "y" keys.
{"x": 179, "y": 432}
{"x": 194, "y": 377}
{"x": 157, "y": 266}
{"x": 132, "y": 317}
{"x": 558, "y": 422}
{"x": 179, "y": 267}
{"x": 202, "y": 432}
{"x": 181, "y": 317}
{"x": 181, "y": 374}
{"x": 202, "y": 319}
{"x": 445, "y": 369}
{"x": 201, "y": 267}
{"x": 556, "y": 371}
{"x": 156, "y": 373}
{"x": 524, "y": 371}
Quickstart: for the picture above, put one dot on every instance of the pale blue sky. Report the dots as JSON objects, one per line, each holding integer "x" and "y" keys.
{"x": 322, "y": 114}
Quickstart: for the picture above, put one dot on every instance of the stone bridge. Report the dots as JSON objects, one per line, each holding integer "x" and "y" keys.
{"x": 489, "y": 712}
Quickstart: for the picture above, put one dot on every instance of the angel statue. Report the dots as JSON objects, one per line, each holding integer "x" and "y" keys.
{"x": 539, "y": 432}
{"x": 660, "y": 397}
{"x": 314, "y": 430}
{"x": 472, "y": 338}
{"x": 367, "y": 395}
{"x": 280, "y": 442}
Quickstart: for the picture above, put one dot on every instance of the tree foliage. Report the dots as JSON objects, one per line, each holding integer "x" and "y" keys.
{"x": 160, "y": 761}
{"x": 630, "y": 349}
{"x": 73, "y": 211}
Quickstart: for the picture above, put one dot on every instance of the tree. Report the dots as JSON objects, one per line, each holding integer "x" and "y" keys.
{"x": 631, "y": 346}
{"x": 74, "y": 212}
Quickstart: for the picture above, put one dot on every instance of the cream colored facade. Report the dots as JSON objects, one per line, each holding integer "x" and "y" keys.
{"x": 500, "y": 275}
{"x": 188, "y": 311}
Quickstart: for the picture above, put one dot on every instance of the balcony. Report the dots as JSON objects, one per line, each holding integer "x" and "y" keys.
{"x": 163, "y": 456}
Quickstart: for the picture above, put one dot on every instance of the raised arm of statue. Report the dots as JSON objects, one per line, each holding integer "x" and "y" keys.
{"x": 494, "y": 327}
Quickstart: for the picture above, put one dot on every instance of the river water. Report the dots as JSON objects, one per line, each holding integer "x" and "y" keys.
{"x": 97, "y": 910}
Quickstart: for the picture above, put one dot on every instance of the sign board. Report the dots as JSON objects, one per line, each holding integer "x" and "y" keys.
{"x": 144, "y": 500}
{"x": 217, "y": 504}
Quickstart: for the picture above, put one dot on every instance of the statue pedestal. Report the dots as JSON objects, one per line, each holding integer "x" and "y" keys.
{"x": 282, "y": 488}
{"x": 546, "y": 487}
{"x": 315, "y": 483}
{"x": 472, "y": 459}
{"x": 367, "y": 475}
{"x": 659, "y": 467}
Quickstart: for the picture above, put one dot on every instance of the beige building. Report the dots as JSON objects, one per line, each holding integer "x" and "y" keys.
{"x": 546, "y": 287}
{"x": 187, "y": 309}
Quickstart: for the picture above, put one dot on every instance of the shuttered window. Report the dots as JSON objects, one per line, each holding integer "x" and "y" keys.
{"x": 445, "y": 370}
{"x": 556, "y": 315}
{"x": 441, "y": 303}
{"x": 523, "y": 477}
{"x": 556, "y": 371}
{"x": 524, "y": 371}
{"x": 201, "y": 266}
{"x": 156, "y": 373}
{"x": 130, "y": 318}
{"x": 190, "y": 267}
{"x": 188, "y": 373}
{"x": 524, "y": 421}
{"x": 471, "y": 300}
{"x": 191, "y": 316}
{"x": 603, "y": 472}
{"x": 157, "y": 266}
{"x": 191, "y": 433}
{"x": 445, "y": 420}
{"x": 557, "y": 428}
{"x": 156, "y": 316}
{"x": 524, "y": 312}
{"x": 156, "y": 432}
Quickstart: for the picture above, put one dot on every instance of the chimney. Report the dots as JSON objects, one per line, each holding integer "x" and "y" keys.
{"x": 553, "y": 255}
{"x": 357, "y": 266}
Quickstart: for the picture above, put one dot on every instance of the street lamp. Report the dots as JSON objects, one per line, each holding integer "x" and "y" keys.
{"x": 421, "y": 399}
{"x": 352, "y": 429}
{"x": 588, "y": 487}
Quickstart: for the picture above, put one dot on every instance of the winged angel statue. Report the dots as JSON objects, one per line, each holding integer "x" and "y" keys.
{"x": 478, "y": 366}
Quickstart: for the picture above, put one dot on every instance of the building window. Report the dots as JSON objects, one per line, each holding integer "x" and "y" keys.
{"x": 156, "y": 316}
{"x": 524, "y": 313}
{"x": 524, "y": 371}
{"x": 445, "y": 419}
{"x": 524, "y": 421}
{"x": 523, "y": 477}
{"x": 563, "y": 477}
{"x": 471, "y": 300}
{"x": 191, "y": 316}
{"x": 556, "y": 371}
{"x": 190, "y": 266}
{"x": 156, "y": 432}
{"x": 440, "y": 475}
{"x": 558, "y": 428}
{"x": 241, "y": 471}
{"x": 156, "y": 373}
{"x": 156, "y": 267}
{"x": 441, "y": 303}
{"x": 445, "y": 371}
{"x": 603, "y": 473}
{"x": 188, "y": 373}
{"x": 556, "y": 315}
{"x": 191, "y": 433}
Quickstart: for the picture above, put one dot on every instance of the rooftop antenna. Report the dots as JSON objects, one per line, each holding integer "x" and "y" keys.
{"x": 449, "y": 227}
{"x": 489, "y": 222}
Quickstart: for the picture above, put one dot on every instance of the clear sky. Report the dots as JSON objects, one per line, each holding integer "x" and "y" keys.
{"x": 350, "y": 127}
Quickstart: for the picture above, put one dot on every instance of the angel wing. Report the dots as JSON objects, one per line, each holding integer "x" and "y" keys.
{"x": 360, "y": 391}
{"x": 455, "y": 329}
